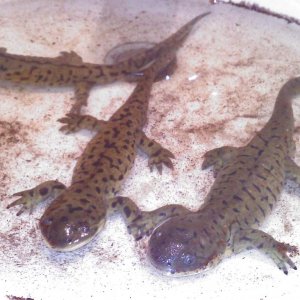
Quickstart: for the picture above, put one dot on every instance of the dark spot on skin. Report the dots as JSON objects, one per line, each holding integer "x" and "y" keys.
{"x": 260, "y": 246}
{"x": 120, "y": 200}
{"x": 245, "y": 238}
{"x": 78, "y": 191}
{"x": 261, "y": 177}
{"x": 121, "y": 177}
{"x": 262, "y": 210}
{"x": 73, "y": 209}
{"x": 156, "y": 153}
{"x": 221, "y": 216}
{"x": 236, "y": 210}
{"x": 104, "y": 179}
{"x": 84, "y": 201}
{"x": 116, "y": 132}
{"x": 44, "y": 191}
{"x": 232, "y": 173}
{"x": 128, "y": 123}
{"x": 271, "y": 192}
{"x": 31, "y": 193}
{"x": 248, "y": 193}
{"x": 127, "y": 211}
{"x": 225, "y": 202}
{"x": 257, "y": 187}
{"x": 237, "y": 198}
{"x": 98, "y": 190}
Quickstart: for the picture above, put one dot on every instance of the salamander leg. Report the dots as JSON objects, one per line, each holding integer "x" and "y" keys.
{"x": 142, "y": 223}
{"x": 82, "y": 92}
{"x": 76, "y": 122}
{"x": 158, "y": 156}
{"x": 292, "y": 171}
{"x": 71, "y": 57}
{"x": 218, "y": 157}
{"x": 32, "y": 197}
{"x": 246, "y": 239}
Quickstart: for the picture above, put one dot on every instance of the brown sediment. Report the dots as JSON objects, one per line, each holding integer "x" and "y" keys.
{"x": 11, "y": 133}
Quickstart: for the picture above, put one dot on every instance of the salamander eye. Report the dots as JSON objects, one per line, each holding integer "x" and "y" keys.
{"x": 188, "y": 259}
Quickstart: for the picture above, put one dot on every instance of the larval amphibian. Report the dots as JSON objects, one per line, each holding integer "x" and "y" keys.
{"x": 80, "y": 211}
{"x": 68, "y": 69}
{"x": 248, "y": 184}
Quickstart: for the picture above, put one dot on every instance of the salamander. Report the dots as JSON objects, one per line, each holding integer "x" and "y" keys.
{"x": 79, "y": 212}
{"x": 68, "y": 69}
{"x": 248, "y": 184}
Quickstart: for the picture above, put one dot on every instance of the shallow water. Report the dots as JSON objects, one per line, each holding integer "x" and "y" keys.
{"x": 229, "y": 72}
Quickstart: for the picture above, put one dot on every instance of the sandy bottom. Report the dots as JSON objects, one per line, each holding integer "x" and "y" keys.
{"x": 229, "y": 72}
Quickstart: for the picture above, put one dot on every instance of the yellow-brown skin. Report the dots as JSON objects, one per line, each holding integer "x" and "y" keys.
{"x": 247, "y": 186}
{"x": 80, "y": 210}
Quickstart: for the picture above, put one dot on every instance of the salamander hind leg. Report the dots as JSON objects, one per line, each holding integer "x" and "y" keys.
{"x": 158, "y": 156}
{"x": 246, "y": 239}
{"x": 32, "y": 197}
{"x": 218, "y": 157}
{"x": 76, "y": 122}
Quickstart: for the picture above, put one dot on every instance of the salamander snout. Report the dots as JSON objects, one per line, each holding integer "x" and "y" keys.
{"x": 67, "y": 224}
{"x": 185, "y": 245}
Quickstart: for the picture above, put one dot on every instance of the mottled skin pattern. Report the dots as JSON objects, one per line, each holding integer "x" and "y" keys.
{"x": 247, "y": 186}
{"x": 80, "y": 211}
{"x": 68, "y": 69}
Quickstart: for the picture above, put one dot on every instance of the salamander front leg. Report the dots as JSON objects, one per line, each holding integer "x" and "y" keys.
{"x": 76, "y": 122}
{"x": 246, "y": 239}
{"x": 158, "y": 155}
{"x": 218, "y": 157}
{"x": 142, "y": 223}
{"x": 82, "y": 92}
{"x": 32, "y": 197}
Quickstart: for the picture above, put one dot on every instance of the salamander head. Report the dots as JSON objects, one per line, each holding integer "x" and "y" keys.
{"x": 71, "y": 222}
{"x": 186, "y": 245}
